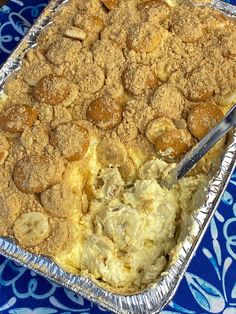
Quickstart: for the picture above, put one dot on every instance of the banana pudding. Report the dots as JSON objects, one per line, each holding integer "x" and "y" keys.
{"x": 111, "y": 98}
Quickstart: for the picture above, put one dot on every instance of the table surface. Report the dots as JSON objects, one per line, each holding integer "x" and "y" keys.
{"x": 209, "y": 285}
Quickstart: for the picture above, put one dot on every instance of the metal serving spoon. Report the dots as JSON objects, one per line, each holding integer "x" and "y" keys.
{"x": 192, "y": 157}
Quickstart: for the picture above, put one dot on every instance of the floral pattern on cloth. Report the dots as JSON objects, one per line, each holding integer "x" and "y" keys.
{"x": 209, "y": 285}
{"x": 15, "y": 19}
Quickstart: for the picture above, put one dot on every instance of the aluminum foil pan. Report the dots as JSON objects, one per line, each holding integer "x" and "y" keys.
{"x": 160, "y": 293}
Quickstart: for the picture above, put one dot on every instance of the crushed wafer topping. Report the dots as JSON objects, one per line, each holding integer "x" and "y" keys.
{"x": 71, "y": 140}
{"x": 113, "y": 95}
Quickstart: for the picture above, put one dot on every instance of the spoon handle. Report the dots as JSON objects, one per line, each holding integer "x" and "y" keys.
{"x": 191, "y": 158}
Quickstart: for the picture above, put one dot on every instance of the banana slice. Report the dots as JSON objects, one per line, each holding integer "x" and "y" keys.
{"x": 31, "y": 229}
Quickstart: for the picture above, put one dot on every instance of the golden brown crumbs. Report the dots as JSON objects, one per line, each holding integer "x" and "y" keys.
{"x": 187, "y": 25}
{"x": 61, "y": 202}
{"x": 199, "y": 84}
{"x": 61, "y": 115}
{"x": 19, "y": 91}
{"x": 51, "y": 90}
{"x": 89, "y": 23}
{"x": 228, "y": 45}
{"x": 35, "y": 173}
{"x": 90, "y": 78}
{"x": 4, "y": 145}
{"x": 111, "y": 152}
{"x": 168, "y": 102}
{"x": 108, "y": 56}
{"x": 10, "y": 204}
{"x": 60, "y": 237}
{"x": 62, "y": 50}
{"x": 154, "y": 10}
{"x": 110, "y": 4}
{"x": 71, "y": 140}
{"x": 139, "y": 79}
{"x": 145, "y": 37}
{"x": 127, "y": 130}
{"x": 35, "y": 71}
{"x": 35, "y": 139}
{"x": 89, "y": 6}
{"x": 139, "y": 84}
{"x": 15, "y": 119}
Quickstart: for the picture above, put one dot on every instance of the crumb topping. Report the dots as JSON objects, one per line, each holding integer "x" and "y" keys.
{"x": 113, "y": 95}
{"x": 139, "y": 79}
{"x": 35, "y": 173}
{"x": 71, "y": 140}
{"x": 51, "y": 90}
{"x": 168, "y": 102}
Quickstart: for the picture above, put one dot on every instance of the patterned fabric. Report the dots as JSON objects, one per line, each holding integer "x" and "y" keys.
{"x": 209, "y": 285}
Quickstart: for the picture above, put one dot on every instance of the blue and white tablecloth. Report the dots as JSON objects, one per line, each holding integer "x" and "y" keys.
{"x": 209, "y": 285}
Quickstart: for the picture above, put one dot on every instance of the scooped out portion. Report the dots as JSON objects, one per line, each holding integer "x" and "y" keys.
{"x": 91, "y": 127}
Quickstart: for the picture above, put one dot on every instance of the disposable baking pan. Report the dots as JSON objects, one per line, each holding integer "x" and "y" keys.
{"x": 153, "y": 299}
